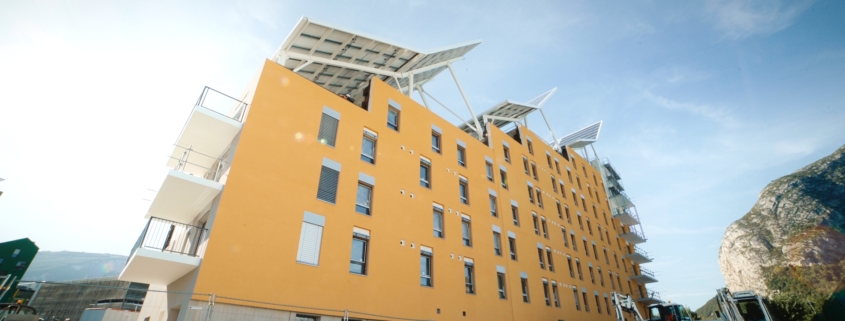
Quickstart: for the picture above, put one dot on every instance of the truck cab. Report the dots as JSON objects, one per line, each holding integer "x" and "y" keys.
{"x": 668, "y": 312}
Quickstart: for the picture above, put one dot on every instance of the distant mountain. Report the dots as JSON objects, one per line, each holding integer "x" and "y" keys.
{"x": 708, "y": 310}
{"x": 66, "y": 266}
{"x": 792, "y": 239}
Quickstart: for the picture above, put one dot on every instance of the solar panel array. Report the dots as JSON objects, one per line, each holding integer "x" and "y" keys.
{"x": 506, "y": 109}
{"x": 582, "y": 137}
{"x": 343, "y": 61}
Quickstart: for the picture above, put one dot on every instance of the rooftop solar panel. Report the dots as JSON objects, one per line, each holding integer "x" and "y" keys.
{"x": 582, "y": 137}
{"x": 343, "y": 61}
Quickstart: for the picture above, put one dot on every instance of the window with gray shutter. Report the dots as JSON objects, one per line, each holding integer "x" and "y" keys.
{"x": 328, "y": 127}
{"x": 310, "y": 239}
{"x": 327, "y": 190}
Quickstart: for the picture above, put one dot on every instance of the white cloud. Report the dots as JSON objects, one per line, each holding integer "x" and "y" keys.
{"x": 718, "y": 114}
{"x": 742, "y": 19}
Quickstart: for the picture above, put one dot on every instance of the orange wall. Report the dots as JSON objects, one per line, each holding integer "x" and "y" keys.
{"x": 253, "y": 244}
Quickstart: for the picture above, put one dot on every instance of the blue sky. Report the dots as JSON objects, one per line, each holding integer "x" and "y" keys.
{"x": 703, "y": 103}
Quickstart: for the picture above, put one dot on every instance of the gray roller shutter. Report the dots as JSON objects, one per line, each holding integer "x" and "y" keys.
{"x": 327, "y": 191}
{"x": 328, "y": 130}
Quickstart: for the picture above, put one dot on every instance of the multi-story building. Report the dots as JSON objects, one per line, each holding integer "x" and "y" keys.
{"x": 326, "y": 186}
{"x": 70, "y": 299}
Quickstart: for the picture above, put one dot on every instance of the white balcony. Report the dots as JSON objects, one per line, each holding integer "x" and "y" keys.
{"x": 213, "y": 124}
{"x": 638, "y": 256}
{"x": 652, "y": 298}
{"x": 645, "y": 276}
{"x": 165, "y": 252}
{"x": 627, "y": 216}
{"x": 634, "y": 235}
{"x": 183, "y": 196}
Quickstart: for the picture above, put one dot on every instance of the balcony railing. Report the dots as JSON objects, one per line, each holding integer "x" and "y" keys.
{"x": 647, "y": 272}
{"x": 197, "y": 163}
{"x": 222, "y": 104}
{"x": 172, "y": 237}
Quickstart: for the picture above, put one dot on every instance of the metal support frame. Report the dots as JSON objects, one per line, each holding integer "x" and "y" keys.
{"x": 425, "y": 102}
{"x": 469, "y": 107}
{"x": 447, "y": 108}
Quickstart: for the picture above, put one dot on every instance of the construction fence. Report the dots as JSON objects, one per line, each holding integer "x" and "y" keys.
{"x": 113, "y": 300}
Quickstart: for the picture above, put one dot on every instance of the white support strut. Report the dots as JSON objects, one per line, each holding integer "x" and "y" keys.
{"x": 471, "y": 113}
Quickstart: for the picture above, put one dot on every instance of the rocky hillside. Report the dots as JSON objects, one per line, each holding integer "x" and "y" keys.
{"x": 792, "y": 239}
{"x": 66, "y": 266}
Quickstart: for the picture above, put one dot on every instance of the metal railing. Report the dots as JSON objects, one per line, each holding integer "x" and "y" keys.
{"x": 640, "y": 251}
{"x": 221, "y": 103}
{"x": 646, "y": 272}
{"x": 169, "y": 236}
{"x": 184, "y": 164}
{"x": 636, "y": 230}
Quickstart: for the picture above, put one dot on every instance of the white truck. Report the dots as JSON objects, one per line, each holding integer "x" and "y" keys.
{"x": 741, "y": 306}
{"x": 663, "y": 311}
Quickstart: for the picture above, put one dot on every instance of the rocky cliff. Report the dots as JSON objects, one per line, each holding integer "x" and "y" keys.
{"x": 793, "y": 236}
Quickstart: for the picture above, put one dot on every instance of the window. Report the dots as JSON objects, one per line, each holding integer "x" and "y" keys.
{"x": 542, "y": 257}
{"x": 500, "y": 278}
{"x": 525, "y": 165}
{"x": 554, "y": 292}
{"x": 525, "y": 297}
{"x": 327, "y": 133}
{"x": 589, "y": 227}
{"x": 539, "y": 198}
{"x": 610, "y": 277}
{"x": 425, "y": 173}
{"x": 578, "y": 180}
{"x": 435, "y": 142}
{"x": 507, "y": 153}
{"x": 574, "y": 245}
{"x": 549, "y": 160}
{"x": 512, "y": 247}
{"x": 559, "y": 209}
{"x": 575, "y": 293}
{"x": 549, "y": 259}
{"x": 545, "y": 227}
{"x": 618, "y": 281}
{"x": 595, "y": 253}
{"x": 393, "y": 118}
{"x": 601, "y": 236}
{"x": 530, "y": 147}
{"x": 598, "y": 304}
{"x": 592, "y": 276}
{"x": 515, "y": 213}
{"x": 578, "y": 268}
{"x": 569, "y": 174}
{"x": 426, "y": 269}
{"x": 607, "y": 304}
{"x": 368, "y": 147}
{"x": 358, "y": 262}
{"x": 300, "y": 317}
{"x": 463, "y": 188}
{"x": 580, "y": 222}
{"x": 534, "y": 170}
{"x": 16, "y": 253}
{"x": 465, "y": 230}
{"x": 546, "y": 293}
{"x": 625, "y": 267}
{"x": 469, "y": 277}
{"x": 20, "y": 265}
{"x": 438, "y": 222}
{"x": 310, "y": 238}
{"x": 601, "y": 276}
{"x": 607, "y": 235}
{"x": 536, "y": 223}
{"x": 606, "y": 260}
{"x": 462, "y": 156}
{"x": 565, "y": 239}
{"x": 586, "y": 249}
{"x": 571, "y": 270}
{"x": 490, "y": 172}
{"x": 574, "y": 198}
{"x": 504, "y": 177}
{"x": 493, "y": 208}
{"x": 584, "y": 204}
{"x": 557, "y": 166}
{"x": 615, "y": 258}
{"x": 327, "y": 189}
{"x": 586, "y": 305}
{"x": 531, "y": 194}
{"x": 554, "y": 186}
{"x": 364, "y": 199}
{"x": 568, "y": 218}
{"x": 562, "y": 190}
{"x": 497, "y": 243}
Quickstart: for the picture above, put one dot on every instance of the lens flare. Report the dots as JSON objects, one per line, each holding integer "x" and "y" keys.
{"x": 298, "y": 137}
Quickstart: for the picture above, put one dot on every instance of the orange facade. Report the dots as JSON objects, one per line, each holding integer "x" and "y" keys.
{"x": 273, "y": 182}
